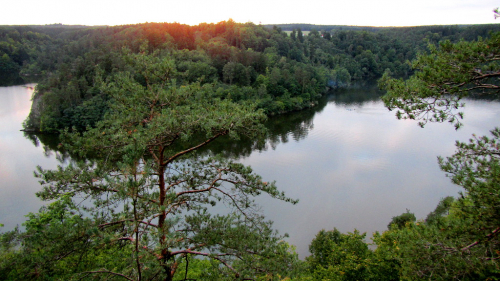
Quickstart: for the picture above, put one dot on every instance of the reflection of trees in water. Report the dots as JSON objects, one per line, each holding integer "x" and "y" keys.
{"x": 484, "y": 96}
{"x": 293, "y": 125}
{"x": 280, "y": 129}
{"x": 14, "y": 79}
{"x": 11, "y": 80}
{"x": 50, "y": 145}
{"x": 357, "y": 95}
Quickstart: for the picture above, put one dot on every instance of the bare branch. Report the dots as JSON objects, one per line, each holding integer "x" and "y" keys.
{"x": 216, "y": 257}
{"x": 179, "y": 154}
{"x": 488, "y": 237}
{"x": 122, "y": 221}
{"x": 110, "y": 272}
{"x": 131, "y": 239}
{"x": 212, "y": 184}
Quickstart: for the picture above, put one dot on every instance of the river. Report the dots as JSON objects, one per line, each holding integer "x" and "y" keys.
{"x": 349, "y": 161}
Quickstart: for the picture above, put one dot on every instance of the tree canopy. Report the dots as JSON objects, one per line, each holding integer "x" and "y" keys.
{"x": 147, "y": 196}
{"x": 244, "y": 62}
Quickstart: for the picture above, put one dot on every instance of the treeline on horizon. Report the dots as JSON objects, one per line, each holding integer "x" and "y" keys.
{"x": 280, "y": 71}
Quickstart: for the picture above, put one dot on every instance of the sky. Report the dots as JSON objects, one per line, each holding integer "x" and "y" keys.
{"x": 193, "y": 12}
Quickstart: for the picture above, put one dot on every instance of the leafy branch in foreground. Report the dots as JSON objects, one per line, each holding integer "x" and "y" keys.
{"x": 149, "y": 192}
{"x": 476, "y": 167}
{"x": 443, "y": 78}
{"x": 459, "y": 240}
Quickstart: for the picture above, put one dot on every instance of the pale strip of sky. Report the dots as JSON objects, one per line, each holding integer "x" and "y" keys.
{"x": 346, "y": 12}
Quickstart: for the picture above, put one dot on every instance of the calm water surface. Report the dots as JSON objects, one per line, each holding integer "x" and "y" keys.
{"x": 349, "y": 161}
{"x": 19, "y": 157}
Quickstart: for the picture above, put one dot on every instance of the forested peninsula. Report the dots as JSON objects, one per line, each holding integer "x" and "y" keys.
{"x": 280, "y": 68}
{"x": 136, "y": 104}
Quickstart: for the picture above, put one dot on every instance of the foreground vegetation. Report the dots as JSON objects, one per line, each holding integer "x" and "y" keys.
{"x": 146, "y": 205}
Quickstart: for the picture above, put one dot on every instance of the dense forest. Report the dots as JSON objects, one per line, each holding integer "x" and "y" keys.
{"x": 144, "y": 100}
{"x": 278, "y": 70}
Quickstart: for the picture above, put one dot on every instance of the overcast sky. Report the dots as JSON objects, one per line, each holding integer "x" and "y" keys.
{"x": 333, "y": 12}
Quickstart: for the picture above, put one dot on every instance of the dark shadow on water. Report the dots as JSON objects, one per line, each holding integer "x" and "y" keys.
{"x": 13, "y": 79}
{"x": 485, "y": 97}
{"x": 280, "y": 129}
{"x": 357, "y": 94}
{"x": 50, "y": 144}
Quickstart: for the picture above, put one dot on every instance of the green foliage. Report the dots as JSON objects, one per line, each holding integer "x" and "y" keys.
{"x": 146, "y": 97}
{"x": 459, "y": 239}
{"x": 443, "y": 77}
{"x": 475, "y": 167}
{"x": 341, "y": 77}
{"x": 401, "y": 220}
{"x": 441, "y": 211}
{"x": 57, "y": 243}
{"x": 149, "y": 192}
{"x": 441, "y": 252}
{"x": 7, "y": 64}
{"x": 223, "y": 54}
{"x": 338, "y": 256}
{"x": 199, "y": 269}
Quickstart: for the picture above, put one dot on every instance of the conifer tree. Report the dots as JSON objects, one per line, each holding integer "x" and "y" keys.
{"x": 149, "y": 191}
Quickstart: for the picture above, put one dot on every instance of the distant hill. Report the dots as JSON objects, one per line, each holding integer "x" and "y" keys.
{"x": 309, "y": 27}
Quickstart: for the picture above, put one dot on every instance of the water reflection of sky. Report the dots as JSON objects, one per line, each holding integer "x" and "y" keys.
{"x": 360, "y": 166}
{"x": 351, "y": 164}
{"x": 18, "y": 158}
